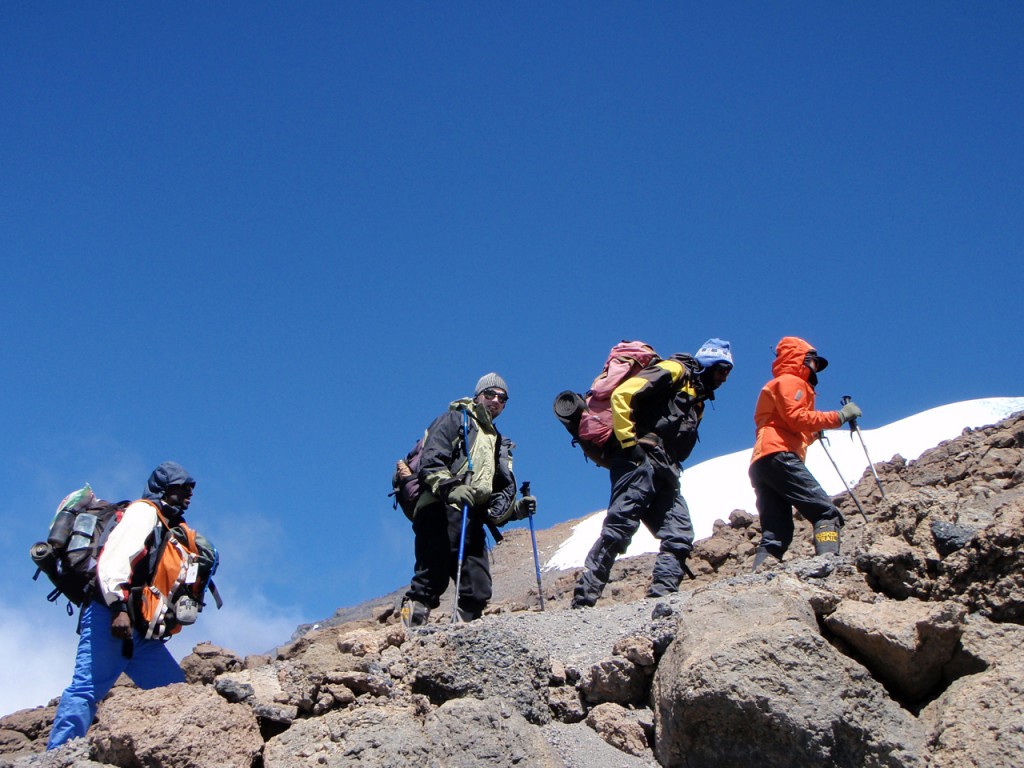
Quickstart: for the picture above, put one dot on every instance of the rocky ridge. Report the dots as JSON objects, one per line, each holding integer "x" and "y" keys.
{"x": 903, "y": 651}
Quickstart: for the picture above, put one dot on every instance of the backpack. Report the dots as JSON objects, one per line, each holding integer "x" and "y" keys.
{"x": 182, "y": 563}
{"x": 405, "y": 482}
{"x": 589, "y": 419}
{"x": 407, "y": 488}
{"x": 77, "y": 534}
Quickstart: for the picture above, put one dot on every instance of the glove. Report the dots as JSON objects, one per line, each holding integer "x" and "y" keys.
{"x": 635, "y": 453}
{"x": 461, "y": 496}
{"x": 849, "y": 412}
{"x": 525, "y": 507}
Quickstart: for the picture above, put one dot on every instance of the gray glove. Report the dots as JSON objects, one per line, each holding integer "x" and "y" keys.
{"x": 525, "y": 507}
{"x": 849, "y": 412}
{"x": 461, "y": 496}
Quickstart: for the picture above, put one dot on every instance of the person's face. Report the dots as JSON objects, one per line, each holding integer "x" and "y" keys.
{"x": 719, "y": 373}
{"x": 178, "y": 496}
{"x": 493, "y": 399}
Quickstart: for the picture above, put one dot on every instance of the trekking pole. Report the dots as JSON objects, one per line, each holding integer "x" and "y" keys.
{"x": 824, "y": 444}
{"x": 465, "y": 518}
{"x": 524, "y": 489}
{"x": 854, "y": 428}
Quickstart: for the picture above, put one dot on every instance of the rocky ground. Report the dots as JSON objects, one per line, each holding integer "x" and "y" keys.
{"x": 903, "y": 651}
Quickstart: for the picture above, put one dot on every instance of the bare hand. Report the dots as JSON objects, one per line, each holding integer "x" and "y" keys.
{"x": 121, "y": 627}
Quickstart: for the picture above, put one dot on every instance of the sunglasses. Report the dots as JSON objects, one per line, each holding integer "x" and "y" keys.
{"x": 493, "y": 394}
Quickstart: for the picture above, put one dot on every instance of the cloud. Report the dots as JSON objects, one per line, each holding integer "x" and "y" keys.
{"x": 37, "y": 644}
{"x": 247, "y": 624}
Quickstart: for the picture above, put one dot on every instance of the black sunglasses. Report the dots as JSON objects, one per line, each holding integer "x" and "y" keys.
{"x": 493, "y": 394}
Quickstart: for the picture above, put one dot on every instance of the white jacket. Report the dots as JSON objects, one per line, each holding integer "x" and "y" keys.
{"x": 129, "y": 542}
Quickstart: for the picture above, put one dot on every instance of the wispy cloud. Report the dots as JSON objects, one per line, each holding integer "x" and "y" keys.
{"x": 38, "y": 642}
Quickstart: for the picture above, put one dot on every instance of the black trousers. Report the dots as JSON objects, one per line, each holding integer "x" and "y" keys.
{"x": 640, "y": 494}
{"x": 781, "y": 482}
{"x": 437, "y": 528}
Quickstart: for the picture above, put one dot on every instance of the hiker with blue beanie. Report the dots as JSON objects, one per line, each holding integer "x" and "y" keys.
{"x": 655, "y": 417}
{"x": 108, "y": 642}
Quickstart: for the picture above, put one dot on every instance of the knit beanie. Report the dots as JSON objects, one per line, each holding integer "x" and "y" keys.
{"x": 714, "y": 351}
{"x": 490, "y": 381}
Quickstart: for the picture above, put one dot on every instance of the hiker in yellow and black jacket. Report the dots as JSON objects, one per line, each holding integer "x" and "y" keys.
{"x": 489, "y": 491}
{"x": 655, "y": 416}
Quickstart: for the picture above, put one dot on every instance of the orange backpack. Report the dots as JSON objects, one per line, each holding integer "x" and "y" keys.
{"x": 173, "y": 596}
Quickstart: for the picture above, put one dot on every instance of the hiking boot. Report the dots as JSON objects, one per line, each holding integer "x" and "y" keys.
{"x": 466, "y": 615}
{"x": 826, "y": 537}
{"x": 414, "y": 613}
{"x": 760, "y": 555}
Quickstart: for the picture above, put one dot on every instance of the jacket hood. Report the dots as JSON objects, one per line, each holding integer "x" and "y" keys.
{"x": 789, "y": 357}
{"x": 167, "y": 474}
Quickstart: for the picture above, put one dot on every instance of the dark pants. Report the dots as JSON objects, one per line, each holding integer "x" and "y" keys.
{"x": 639, "y": 495}
{"x": 437, "y": 528}
{"x": 781, "y": 482}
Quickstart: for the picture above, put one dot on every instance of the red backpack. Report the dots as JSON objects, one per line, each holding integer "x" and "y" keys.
{"x": 589, "y": 420}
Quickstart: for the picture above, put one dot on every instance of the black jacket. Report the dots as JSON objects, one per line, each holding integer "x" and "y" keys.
{"x": 443, "y": 461}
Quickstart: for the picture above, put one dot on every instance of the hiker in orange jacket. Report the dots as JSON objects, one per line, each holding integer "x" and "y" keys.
{"x": 786, "y": 425}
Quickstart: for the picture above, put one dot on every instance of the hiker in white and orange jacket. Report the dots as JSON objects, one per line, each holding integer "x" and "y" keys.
{"x": 108, "y": 644}
{"x": 786, "y": 425}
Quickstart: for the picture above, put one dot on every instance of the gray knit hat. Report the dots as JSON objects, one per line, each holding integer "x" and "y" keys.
{"x": 488, "y": 381}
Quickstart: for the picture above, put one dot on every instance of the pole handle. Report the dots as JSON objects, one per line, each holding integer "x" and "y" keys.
{"x": 852, "y": 422}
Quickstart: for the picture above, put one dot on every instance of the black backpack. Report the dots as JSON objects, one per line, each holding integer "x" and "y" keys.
{"x": 76, "y": 537}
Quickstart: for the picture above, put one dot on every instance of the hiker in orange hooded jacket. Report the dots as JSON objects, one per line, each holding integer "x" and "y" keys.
{"x": 786, "y": 425}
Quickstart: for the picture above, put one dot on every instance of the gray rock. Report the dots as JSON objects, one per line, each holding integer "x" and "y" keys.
{"x": 750, "y": 679}
{"x": 462, "y": 733}
{"x": 949, "y": 537}
{"x": 480, "y": 660}
{"x": 616, "y": 680}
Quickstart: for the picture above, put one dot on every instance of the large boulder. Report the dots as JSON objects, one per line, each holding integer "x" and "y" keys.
{"x": 26, "y": 730}
{"x": 749, "y": 678}
{"x": 183, "y": 725}
{"x": 978, "y": 722}
{"x": 907, "y": 644}
{"x": 468, "y": 733}
{"x": 207, "y": 661}
{"x": 480, "y": 660}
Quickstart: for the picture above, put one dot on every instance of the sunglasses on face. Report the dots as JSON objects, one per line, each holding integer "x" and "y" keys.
{"x": 493, "y": 394}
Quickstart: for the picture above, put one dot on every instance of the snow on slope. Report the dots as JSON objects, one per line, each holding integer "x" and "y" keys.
{"x": 716, "y": 487}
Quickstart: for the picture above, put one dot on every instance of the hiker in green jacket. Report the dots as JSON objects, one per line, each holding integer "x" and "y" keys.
{"x": 461, "y": 437}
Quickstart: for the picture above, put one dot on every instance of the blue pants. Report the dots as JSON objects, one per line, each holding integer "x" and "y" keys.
{"x": 640, "y": 494}
{"x": 98, "y": 663}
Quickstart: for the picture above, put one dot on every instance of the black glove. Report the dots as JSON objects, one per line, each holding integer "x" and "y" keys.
{"x": 525, "y": 507}
{"x": 635, "y": 453}
{"x": 849, "y": 412}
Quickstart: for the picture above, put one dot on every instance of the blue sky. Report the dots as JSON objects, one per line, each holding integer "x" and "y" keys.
{"x": 273, "y": 243}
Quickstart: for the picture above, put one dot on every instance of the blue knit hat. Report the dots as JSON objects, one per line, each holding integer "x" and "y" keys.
{"x": 714, "y": 352}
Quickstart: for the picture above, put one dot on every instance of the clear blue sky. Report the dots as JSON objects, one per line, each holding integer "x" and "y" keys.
{"x": 273, "y": 242}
